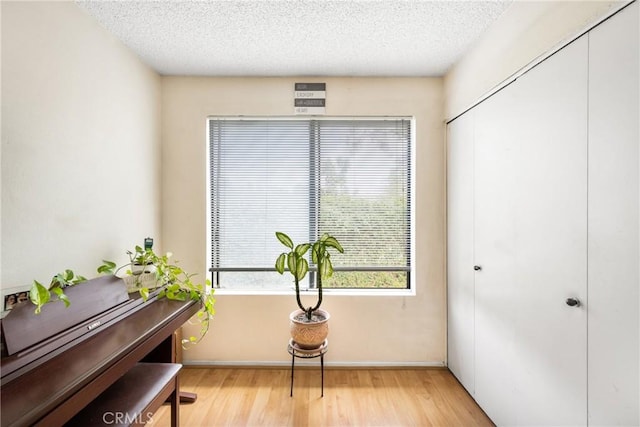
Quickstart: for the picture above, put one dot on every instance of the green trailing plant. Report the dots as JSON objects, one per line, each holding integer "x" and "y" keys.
{"x": 41, "y": 295}
{"x": 175, "y": 284}
{"x": 297, "y": 264}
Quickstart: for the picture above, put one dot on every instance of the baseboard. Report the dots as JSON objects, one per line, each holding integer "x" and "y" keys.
{"x": 332, "y": 364}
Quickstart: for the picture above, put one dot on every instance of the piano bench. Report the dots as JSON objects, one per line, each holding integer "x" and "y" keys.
{"x": 133, "y": 399}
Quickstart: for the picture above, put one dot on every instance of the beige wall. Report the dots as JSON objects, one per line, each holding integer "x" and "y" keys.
{"x": 81, "y": 167}
{"x": 364, "y": 330}
{"x": 525, "y": 31}
{"x": 80, "y": 144}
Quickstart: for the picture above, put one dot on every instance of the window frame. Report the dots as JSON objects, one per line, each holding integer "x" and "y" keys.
{"x": 410, "y": 290}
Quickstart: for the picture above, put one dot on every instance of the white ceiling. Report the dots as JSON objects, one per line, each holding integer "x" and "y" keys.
{"x": 297, "y": 38}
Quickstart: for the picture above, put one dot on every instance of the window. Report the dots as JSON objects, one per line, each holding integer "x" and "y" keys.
{"x": 348, "y": 177}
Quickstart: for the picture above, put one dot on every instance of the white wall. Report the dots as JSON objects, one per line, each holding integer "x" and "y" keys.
{"x": 364, "y": 330}
{"x": 80, "y": 144}
{"x": 525, "y": 31}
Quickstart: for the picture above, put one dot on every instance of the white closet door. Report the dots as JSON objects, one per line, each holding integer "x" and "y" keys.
{"x": 613, "y": 221}
{"x": 495, "y": 238}
{"x": 460, "y": 287}
{"x": 531, "y": 204}
{"x": 551, "y": 258}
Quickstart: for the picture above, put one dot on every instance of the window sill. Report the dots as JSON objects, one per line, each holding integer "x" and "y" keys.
{"x": 325, "y": 292}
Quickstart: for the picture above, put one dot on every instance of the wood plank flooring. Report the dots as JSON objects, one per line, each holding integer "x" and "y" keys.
{"x": 352, "y": 397}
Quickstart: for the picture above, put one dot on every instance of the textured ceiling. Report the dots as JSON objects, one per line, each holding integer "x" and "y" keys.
{"x": 297, "y": 38}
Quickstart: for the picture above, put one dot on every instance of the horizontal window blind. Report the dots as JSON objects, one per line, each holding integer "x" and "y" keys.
{"x": 350, "y": 178}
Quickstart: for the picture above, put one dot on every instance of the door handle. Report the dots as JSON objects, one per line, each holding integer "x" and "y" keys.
{"x": 573, "y": 302}
{"x": 477, "y": 268}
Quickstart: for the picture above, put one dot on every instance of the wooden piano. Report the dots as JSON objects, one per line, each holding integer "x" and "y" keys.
{"x": 107, "y": 359}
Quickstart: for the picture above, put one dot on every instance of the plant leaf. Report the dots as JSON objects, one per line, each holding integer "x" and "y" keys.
{"x": 284, "y": 239}
{"x": 302, "y": 266}
{"x": 144, "y": 293}
{"x": 326, "y": 269}
{"x": 107, "y": 267}
{"x": 292, "y": 262}
{"x": 332, "y": 242}
{"x": 61, "y": 296}
{"x": 302, "y": 249}
{"x": 55, "y": 283}
{"x": 280, "y": 263}
{"x": 179, "y": 296}
{"x": 39, "y": 295}
{"x": 316, "y": 251}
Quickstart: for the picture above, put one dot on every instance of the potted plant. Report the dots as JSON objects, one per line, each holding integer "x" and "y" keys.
{"x": 142, "y": 271}
{"x": 309, "y": 326}
{"x": 175, "y": 283}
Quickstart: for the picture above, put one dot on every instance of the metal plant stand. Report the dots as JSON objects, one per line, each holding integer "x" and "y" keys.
{"x": 296, "y": 351}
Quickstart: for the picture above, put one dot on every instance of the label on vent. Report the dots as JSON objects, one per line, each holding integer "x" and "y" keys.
{"x": 310, "y": 98}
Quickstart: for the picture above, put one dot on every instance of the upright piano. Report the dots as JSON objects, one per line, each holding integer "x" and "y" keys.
{"x": 107, "y": 359}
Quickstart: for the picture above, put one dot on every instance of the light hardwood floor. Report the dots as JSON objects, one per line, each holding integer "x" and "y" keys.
{"x": 352, "y": 397}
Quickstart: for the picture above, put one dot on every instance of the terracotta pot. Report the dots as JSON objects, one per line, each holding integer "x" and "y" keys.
{"x": 309, "y": 334}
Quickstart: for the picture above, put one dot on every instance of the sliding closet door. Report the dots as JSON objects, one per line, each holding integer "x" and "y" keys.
{"x": 552, "y": 241}
{"x": 531, "y": 245}
{"x": 613, "y": 221}
{"x": 496, "y": 298}
{"x": 460, "y": 287}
